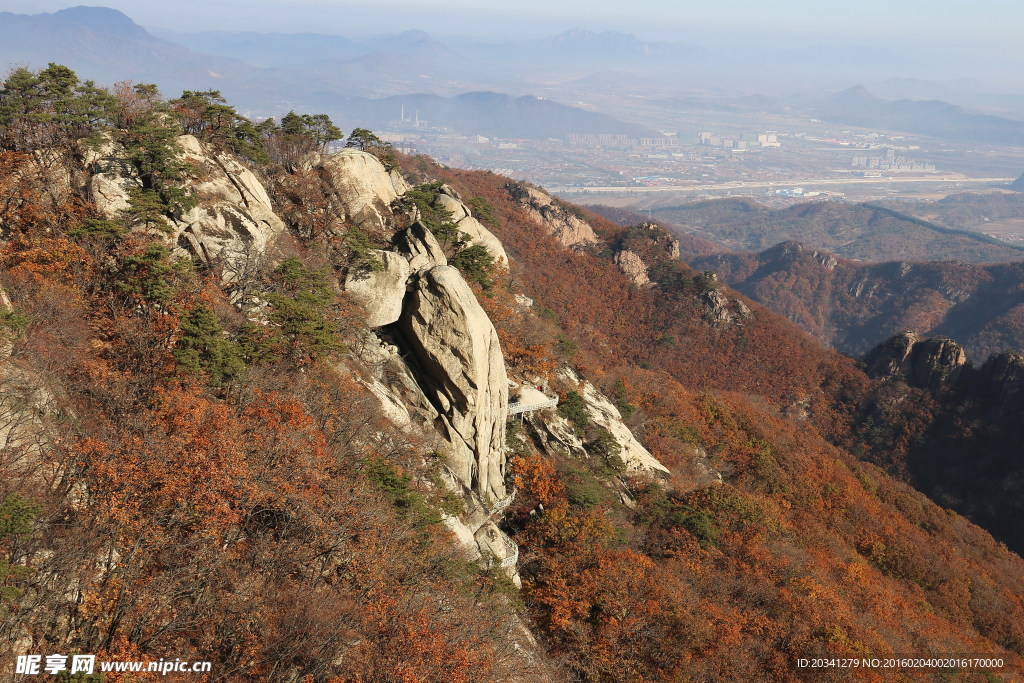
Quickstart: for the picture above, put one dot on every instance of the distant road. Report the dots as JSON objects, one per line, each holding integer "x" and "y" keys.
{"x": 754, "y": 185}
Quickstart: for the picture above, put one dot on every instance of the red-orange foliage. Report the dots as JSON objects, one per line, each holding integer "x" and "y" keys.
{"x": 526, "y": 342}
{"x": 241, "y": 526}
{"x": 803, "y": 551}
{"x": 535, "y": 476}
{"x": 35, "y": 200}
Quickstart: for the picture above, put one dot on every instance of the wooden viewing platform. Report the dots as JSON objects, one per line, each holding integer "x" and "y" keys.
{"x": 515, "y": 408}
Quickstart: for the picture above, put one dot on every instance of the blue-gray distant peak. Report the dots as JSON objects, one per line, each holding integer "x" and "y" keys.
{"x": 854, "y": 94}
{"x": 99, "y": 19}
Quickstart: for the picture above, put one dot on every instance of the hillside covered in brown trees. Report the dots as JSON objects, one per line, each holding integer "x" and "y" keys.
{"x": 854, "y": 306}
{"x": 867, "y": 232}
{"x": 259, "y": 409}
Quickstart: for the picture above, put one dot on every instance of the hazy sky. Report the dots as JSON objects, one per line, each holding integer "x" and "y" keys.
{"x": 991, "y": 22}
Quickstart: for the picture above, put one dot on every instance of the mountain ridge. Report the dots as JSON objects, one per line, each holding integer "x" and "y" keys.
{"x": 281, "y": 386}
{"x": 347, "y": 87}
{"x": 865, "y": 231}
{"x": 854, "y": 306}
{"x": 857, "y": 107}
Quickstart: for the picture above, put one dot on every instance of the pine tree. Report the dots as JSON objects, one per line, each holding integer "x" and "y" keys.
{"x": 203, "y": 348}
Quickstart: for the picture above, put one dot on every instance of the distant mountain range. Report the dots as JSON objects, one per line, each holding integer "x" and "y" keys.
{"x": 305, "y": 72}
{"x": 572, "y": 49}
{"x": 405, "y": 63}
{"x": 497, "y": 115}
{"x": 990, "y": 98}
{"x": 268, "y": 49}
{"x": 857, "y": 107}
{"x": 267, "y": 74}
{"x": 592, "y": 51}
{"x": 850, "y": 304}
{"x": 867, "y": 232}
{"x": 106, "y": 45}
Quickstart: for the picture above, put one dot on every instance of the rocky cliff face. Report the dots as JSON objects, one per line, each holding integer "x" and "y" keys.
{"x": 457, "y": 364}
{"x": 643, "y": 249}
{"x": 233, "y": 221}
{"x": 435, "y": 365}
{"x": 363, "y": 187}
{"x": 565, "y": 226}
{"x": 433, "y": 361}
{"x": 892, "y": 357}
{"x": 441, "y": 367}
{"x": 720, "y": 310}
{"x": 455, "y": 377}
{"x": 446, "y": 375}
{"x": 450, "y": 201}
{"x": 1005, "y": 370}
{"x": 633, "y": 267}
{"x": 380, "y": 289}
{"x": 29, "y": 413}
{"x": 936, "y": 362}
{"x": 1002, "y": 380}
{"x": 969, "y": 457}
{"x": 420, "y": 247}
{"x": 928, "y": 364}
{"x": 555, "y": 433}
{"x": 457, "y": 348}
{"x": 603, "y": 413}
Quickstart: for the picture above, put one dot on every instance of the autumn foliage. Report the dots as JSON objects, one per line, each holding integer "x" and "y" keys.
{"x": 209, "y": 483}
{"x": 804, "y": 550}
{"x": 230, "y": 516}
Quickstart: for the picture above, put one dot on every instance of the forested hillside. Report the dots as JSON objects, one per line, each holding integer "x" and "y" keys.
{"x": 854, "y": 306}
{"x": 258, "y": 408}
{"x": 998, "y": 212}
{"x": 866, "y": 232}
{"x": 746, "y": 390}
{"x": 968, "y": 456}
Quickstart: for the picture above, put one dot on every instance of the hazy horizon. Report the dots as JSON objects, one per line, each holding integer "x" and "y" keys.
{"x": 988, "y": 24}
{"x": 752, "y": 48}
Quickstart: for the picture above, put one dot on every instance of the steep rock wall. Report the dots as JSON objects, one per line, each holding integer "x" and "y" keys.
{"x": 363, "y": 187}
{"x": 381, "y": 291}
{"x": 420, "y": 247}
{"x": 450, "y": 201}
{"x": 564, "y": 226}
{"x": 633, "y": 267}
{"x": 926, "y": 363}
{"x": 604, "y": 413}
{"x": 457, "y": 347}
{"x": 233, "y": 221}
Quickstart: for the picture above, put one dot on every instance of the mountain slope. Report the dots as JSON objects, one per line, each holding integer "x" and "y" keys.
{"x": 857, "y": 107}
{"x": 969, "y": 457}
{"x": 690, "y": 246}
{"x": 854, "y": 306}
{"x": 261, "y": 418}
{"x": 858, "y": 231}
{"x": 761, "y": 453}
